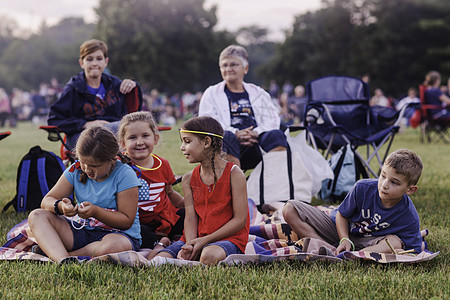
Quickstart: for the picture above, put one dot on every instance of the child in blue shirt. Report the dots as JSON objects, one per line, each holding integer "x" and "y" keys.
{"x": 375, "y": 210}
{"x": 106, "y": 192}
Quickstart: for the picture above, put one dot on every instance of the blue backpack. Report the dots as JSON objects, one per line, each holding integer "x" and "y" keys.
{"x": 38, "y": 172}
{"x": 347, "y": 169}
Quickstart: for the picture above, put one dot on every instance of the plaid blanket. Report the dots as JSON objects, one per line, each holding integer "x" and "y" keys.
{"x": 270, "y": 240}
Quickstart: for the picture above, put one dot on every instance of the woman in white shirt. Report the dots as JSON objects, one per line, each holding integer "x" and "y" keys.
{"x": 246, "y": 111}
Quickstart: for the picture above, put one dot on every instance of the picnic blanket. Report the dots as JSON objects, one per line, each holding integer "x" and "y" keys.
{"x": 271, "y": 239}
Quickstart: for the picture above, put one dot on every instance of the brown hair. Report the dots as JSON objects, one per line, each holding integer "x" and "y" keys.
{"x": 91, "y": 46}
{"x": 432, "y": 77}
{"x": 144, "y": 116}
{"x": 209, "y": 125}
{"x": 407, "y": 163}
{"x": 100, "y": 144}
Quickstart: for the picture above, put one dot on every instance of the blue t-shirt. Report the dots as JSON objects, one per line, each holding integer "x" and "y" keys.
{"x": 432, "y": 96}
{"x": 368, "y": 217}
{"x": 98, "y": 92}
{"x": 241, "y": 111}
{"x": 103, "y": 194}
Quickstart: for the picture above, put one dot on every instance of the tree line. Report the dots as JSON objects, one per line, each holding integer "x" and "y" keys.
{"x": 174, "y": 46}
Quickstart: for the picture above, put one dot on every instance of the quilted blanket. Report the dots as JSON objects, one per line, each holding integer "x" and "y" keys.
{"x": 270, "y": 240}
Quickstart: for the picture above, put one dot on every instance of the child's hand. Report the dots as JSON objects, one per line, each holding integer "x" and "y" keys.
{"x": 86, "y": 210}
{"x": 344, "y": 246}
{"x": 67, "y": 207}
{"x": 185, "y": 252}
{"x": 197, "y": 245}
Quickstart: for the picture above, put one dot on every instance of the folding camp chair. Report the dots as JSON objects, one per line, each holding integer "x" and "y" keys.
{"x": 55, "y": 135}
{"x": 4, "y": 134}
{"x": 133, "y": 102}
{"x": 338, "y": 113}
{"x": 430, "y": 128}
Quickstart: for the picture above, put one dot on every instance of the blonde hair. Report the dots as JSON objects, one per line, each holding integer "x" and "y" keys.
{"x": 407, "y": 163}
{"x": 144, "y": 116}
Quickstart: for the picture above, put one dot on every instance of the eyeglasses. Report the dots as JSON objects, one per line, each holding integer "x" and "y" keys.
{"x": 231, "y": 65}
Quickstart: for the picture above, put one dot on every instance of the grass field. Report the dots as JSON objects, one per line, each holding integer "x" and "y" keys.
{"x": 349, "y": 280}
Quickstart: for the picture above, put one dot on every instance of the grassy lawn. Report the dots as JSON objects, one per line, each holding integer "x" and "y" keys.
{"x": 354, "y": 280}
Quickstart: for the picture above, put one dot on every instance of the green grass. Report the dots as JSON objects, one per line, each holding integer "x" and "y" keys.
{"x": 354, "y": 280}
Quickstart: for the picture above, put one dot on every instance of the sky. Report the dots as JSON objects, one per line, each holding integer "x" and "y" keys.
{"x": 276, "y": 15}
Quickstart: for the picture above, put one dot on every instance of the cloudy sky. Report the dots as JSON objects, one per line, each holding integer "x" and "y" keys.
{"x": 277, "y": 15}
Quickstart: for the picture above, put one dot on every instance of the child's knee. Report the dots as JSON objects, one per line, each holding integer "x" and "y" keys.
{"x": 112, "y": 243}
{"x": 395, "y": 241}
{"x": 36, "y": 216}
{"x": 289, "y": 212}
{"x": 211, "y": 255}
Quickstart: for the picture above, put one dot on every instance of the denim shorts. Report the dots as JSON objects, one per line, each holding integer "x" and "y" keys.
{"x": 83, "y": 236}
{"x": 227, "y": 246}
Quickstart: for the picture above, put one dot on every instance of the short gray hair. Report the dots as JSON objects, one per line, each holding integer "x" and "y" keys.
{"x": 235, "y": 51}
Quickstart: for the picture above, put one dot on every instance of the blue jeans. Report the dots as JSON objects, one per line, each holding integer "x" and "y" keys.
{"x": 250, "y": 156}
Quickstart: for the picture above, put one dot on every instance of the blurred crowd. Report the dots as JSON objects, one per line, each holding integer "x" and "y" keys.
{"x": 34, "y": 105}
{"x": 28, "y": 105}
{"x": 168, "y": 109}
{"x": 291, "y": 100}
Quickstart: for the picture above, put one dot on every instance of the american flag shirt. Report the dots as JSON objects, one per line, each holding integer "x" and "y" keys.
{"x": 154, "y": 204}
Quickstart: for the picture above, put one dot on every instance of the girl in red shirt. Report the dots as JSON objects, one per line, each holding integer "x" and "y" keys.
{"x": 161, "y": 211}
{"x": 215, "y": 196}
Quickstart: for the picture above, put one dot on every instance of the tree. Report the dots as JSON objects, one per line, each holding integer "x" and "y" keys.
{"x": 318, "y": 44}
{"x": 407, "y": 41}
{"x": 7, "y": 28}
{"x": 259, "y": 48}
{"x": 166, "y": 44}
{"x": 52, "y": 53}
{"x": 396, "y": 42}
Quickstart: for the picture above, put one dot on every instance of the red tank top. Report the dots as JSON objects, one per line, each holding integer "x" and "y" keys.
{"x": 214, "y": 206}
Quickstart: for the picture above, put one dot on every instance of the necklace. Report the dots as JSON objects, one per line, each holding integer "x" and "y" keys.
{"x": 151, "y": 169}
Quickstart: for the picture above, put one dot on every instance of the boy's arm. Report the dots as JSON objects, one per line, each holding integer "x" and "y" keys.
{"x": 62, "y": 113}
{"x": 345, "y": 243}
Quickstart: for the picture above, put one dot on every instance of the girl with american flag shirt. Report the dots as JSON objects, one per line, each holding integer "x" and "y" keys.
{"x": 161, "y": 208}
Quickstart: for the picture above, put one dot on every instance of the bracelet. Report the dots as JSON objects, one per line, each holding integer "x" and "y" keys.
{"x": 56, "y": 208}
{"x": 159, "y": 243}
{"x": 347, "y": 239}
